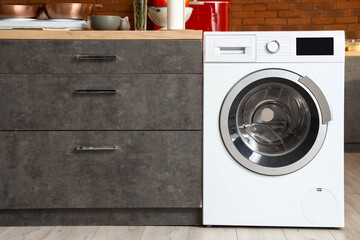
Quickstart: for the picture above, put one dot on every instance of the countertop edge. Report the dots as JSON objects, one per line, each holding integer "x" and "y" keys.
{"x": 352, "y": 54}
{"x": 100, "y": 35}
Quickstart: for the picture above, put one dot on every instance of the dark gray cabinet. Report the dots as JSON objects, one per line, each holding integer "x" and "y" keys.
{"x": 101, "y": 102}
{"x": 44, "y": 169}
{"x": 101, "y": 56}
{"x": 101, "y": 131}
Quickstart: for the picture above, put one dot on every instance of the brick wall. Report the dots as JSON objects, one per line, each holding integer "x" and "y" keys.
{"x": 289, "y": 15}
{"x": 115, "y": 7}
{"x": 262, "y": 15}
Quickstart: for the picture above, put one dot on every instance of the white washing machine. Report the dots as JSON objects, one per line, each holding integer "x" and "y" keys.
{"x": 273, "y": 128}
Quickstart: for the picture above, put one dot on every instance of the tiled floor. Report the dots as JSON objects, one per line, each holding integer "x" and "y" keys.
{"x": 350, "y": 232}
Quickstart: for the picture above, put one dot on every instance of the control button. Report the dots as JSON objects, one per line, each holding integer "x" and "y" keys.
{"x": 273, "y": 46}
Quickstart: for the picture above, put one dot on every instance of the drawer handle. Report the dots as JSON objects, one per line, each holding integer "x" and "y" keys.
{"x": 96, "y": 57}
{"x": 89, "y": 148}
{"x": 95, "y": 91}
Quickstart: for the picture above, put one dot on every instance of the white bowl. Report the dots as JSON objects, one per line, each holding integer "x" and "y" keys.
{"x": 158, "y": 15}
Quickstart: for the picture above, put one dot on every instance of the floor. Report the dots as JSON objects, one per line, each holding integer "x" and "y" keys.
{"x": 350, "y": 232}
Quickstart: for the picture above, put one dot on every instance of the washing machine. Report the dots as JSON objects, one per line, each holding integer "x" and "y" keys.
{"x": 273, "y": 129}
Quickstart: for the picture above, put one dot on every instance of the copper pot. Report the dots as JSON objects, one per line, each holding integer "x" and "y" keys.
{"x": 70, "y": 10}
{"x": 19, "y": 11}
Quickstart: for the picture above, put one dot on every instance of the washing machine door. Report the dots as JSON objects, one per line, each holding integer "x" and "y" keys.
{"x": 274, "y": 121}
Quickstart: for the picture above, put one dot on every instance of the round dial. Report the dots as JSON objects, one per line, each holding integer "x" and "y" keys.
{"x": 273, "y": 46}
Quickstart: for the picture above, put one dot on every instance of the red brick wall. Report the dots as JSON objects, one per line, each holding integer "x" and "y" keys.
{"x": 115, "y": 7}
{"x": 288, "y": 15}
{"x": 262, "y": 15}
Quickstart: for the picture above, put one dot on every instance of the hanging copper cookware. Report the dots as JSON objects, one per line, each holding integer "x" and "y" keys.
{"x": 19, "y": 11}
{"x": 70, "y": 10}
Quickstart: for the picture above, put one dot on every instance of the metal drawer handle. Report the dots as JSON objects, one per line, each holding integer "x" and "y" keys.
{"x": 96, "y": 57}
{"x": 89, "y": 148}
{"x": 96, "y": 91}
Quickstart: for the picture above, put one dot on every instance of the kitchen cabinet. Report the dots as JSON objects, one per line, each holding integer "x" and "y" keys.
{"x": 100, "y": 132}
{"x": 101, "y": 101}
{"x": 149, "y": 169}
{"x": 105, "y": 56}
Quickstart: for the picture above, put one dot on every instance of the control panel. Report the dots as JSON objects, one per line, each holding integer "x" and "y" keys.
{"x": 302, "y": 46}
{"x": 275, "y": 46}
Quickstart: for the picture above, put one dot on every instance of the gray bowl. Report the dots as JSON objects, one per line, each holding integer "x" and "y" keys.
{"x": 102, "y": 22}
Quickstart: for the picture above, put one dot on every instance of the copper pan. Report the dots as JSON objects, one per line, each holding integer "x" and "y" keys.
{"x": 19, "y": 11}
{"x": 70, "y": 10}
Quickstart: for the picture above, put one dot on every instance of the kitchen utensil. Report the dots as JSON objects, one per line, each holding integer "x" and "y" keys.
{"x": 163, "y": 3}
{"x": 158, "y": 15}
{"x": 105, "y": 22}
{"x": 29, "y": 23}
{"x": 20, "y": 11}
{"x": 140, "y": 14}
{"x": 209, "y": 15}
{"x": 70, "y": 10}
{"x": 175, "y": 14}
{"x": 125, "y": 23}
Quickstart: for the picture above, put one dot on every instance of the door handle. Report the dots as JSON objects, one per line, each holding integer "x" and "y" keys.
{"x": 95, "y": 91}
{"x": 320, "y": 97}
{"x": 96, "y": 57}
{"x": 103, "y": 148}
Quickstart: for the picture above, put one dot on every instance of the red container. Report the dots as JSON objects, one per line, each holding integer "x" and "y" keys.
{"x": 209, "y": 15}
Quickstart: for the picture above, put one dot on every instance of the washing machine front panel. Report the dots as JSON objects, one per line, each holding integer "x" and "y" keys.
{"x": 271, "y": 124}
{"x": 234, "y": 195}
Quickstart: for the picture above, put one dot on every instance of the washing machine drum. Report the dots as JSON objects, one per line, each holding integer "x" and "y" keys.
{"x": 274, "y": 121}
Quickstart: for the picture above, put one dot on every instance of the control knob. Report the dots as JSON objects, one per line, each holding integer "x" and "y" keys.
{"x": 273, "y": 46}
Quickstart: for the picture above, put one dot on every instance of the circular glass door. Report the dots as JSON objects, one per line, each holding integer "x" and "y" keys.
{"x": 270, "y": 123}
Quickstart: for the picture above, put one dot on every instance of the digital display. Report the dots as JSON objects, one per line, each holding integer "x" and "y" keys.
{"x": 314, "y": 46}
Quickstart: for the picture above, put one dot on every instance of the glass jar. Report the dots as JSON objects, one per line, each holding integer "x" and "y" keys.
{"x": 140, "y": 14}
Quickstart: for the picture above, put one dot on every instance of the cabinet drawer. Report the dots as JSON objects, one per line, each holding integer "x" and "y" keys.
{"x": 101, "y": 102}
{"x": 101, "y": 56}
{"x": 148, "y": 169}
